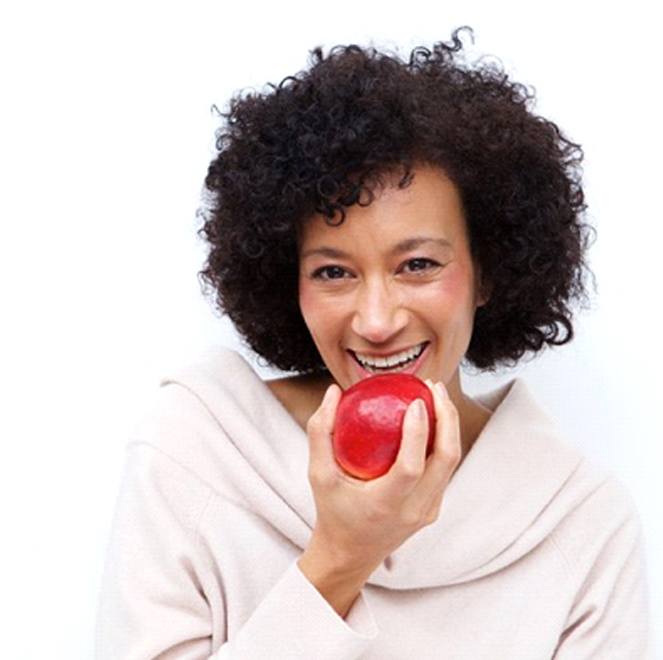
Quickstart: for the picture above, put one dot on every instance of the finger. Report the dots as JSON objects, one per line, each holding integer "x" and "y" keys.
{"x": 451, "y": 440}
{"x": 319, "y": 429}
{"x": 446, "y": 452}
{"x": 447, "y": 433}
{"x": 411, "y": 458}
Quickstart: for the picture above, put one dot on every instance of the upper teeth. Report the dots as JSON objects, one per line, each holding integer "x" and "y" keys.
{"x": 392, "y": 359}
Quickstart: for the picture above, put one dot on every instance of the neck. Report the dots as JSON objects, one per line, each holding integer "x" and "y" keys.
{"x": 473, "y": 416}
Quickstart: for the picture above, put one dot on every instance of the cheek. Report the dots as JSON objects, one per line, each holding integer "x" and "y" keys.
{"x": 315, "y": 309}
{"x": 304, "y": 296}
{"x": 306, "y": 302}
{"x": 450, "y": 292}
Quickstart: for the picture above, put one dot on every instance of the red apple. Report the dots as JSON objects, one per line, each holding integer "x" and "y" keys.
{"x": 369, "y": 422}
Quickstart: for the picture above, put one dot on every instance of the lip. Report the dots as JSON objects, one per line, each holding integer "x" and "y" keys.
{"x": 363, "y": 373}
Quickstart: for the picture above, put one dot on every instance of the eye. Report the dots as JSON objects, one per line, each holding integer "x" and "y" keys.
{"x": 327, "y": 269}
{"x": 428, "y": 264}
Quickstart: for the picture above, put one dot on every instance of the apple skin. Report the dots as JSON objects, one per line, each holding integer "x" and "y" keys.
{"x": 369, "y": 420}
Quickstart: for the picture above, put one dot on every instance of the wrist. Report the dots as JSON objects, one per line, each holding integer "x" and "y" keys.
{"x": 333, "y": 566}
{"x": 338, "y": 585}
{"x": 335, "y": 560}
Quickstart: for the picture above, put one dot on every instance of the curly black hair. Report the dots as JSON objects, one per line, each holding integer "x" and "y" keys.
{"x": 316, "y": 141}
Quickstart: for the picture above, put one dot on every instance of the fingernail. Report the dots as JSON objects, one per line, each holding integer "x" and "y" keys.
{"x": 327, "y": 396}
{"x": 418, "y": 409}
{"x": 442, "y": 390}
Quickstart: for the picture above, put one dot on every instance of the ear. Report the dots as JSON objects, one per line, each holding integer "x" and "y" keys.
{"x": 485, "y": 292}
{"x": 484, "y": 289}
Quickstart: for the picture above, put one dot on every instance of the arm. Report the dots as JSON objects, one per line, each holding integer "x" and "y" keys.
{"x": 338, "y": 586}
{"x": 153, "y": 605}
{"x": 610, "y": 616}
{"x": 295, "y": 622}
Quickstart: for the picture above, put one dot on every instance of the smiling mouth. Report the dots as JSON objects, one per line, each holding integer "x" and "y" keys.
{"x": 395, "y": 368}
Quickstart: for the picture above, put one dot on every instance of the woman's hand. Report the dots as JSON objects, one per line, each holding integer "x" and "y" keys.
{"x": 359, "y": 523}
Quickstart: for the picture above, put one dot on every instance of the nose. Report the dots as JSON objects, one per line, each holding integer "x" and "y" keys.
{"x": 379, "y": 313}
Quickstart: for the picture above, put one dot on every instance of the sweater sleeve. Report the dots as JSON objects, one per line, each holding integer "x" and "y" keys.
{"x": 295, "y": 622}
{"x": 609, "y": 618}
{"x": 153, "y": 604}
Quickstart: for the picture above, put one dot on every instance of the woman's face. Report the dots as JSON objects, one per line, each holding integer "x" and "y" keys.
{"x": 364, "y": 289}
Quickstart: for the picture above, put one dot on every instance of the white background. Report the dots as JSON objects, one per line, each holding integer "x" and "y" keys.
{"x": 105, "y": 137}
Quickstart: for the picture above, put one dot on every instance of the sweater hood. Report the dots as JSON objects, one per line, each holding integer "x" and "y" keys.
{"x": 260, "y": 462}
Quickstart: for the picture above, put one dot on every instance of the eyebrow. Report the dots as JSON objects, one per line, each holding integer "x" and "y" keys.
{"x": 403, "y": 246}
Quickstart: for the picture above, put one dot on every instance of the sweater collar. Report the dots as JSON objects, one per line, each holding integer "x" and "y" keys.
{"x": 500, "y": 503}
{"x": 505, "y": 498}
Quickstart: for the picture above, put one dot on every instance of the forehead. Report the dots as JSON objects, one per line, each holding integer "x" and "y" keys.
{"x": 430, "y": 205}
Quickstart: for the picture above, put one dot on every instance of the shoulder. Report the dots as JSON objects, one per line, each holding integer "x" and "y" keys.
{"x": 197, "y": 406}
{"x": 172, "y": 413}
{"x": 215, "y": 368}
{"x": 603, "y": 547}
{"x": 604, "y": 525}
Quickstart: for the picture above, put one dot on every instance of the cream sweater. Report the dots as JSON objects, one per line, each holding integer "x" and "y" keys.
{"x": 536, "y": 553}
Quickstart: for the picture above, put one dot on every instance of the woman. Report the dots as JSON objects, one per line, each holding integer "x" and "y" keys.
{"x": 368, "y": 215}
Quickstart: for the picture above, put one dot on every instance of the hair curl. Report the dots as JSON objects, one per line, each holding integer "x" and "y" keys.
{"x": 318, "y": 140}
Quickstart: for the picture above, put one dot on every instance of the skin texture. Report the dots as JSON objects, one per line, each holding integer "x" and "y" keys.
{"x": 372, "y": 301}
